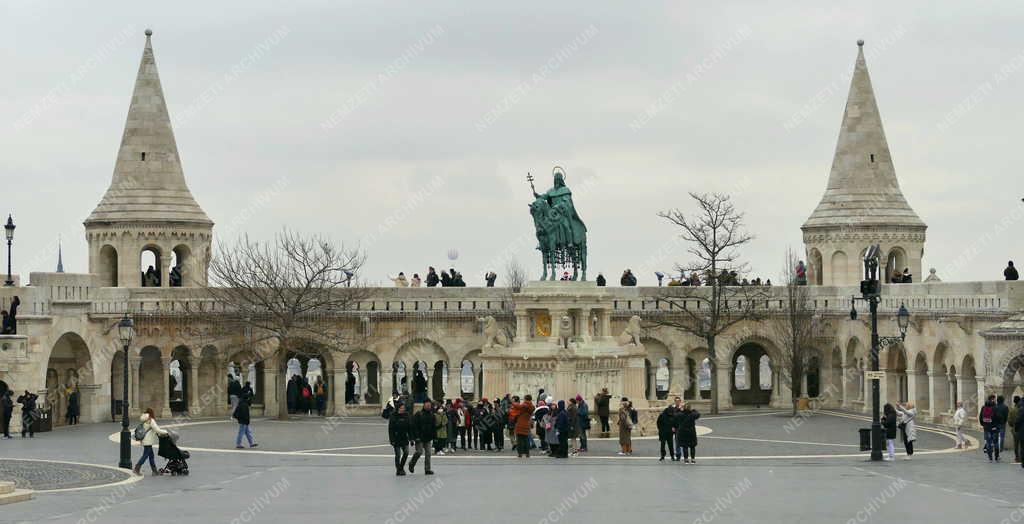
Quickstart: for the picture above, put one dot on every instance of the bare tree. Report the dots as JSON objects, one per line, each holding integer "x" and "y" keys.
{"x": 714, "y": 234}
{"x": 293, "y": 295}
{"x": 515, "y": 275}
{"x": 797, "y": 328}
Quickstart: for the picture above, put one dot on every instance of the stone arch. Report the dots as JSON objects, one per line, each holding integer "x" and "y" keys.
{"x": 179, "y": 379}
{"x": 895, "y": 260}
{"x": 942, "y": 356}
{"x": 151, "y": 380}
{"x": 854, "y": 370}
{"x": 812, "y": 374}
{"x": 751, "y": 351}
{"x": 107, "y": 269}
{"x": 657, "y": 368}
{"x": 367, "y": 378}
{"x": 699, "y": 381}
{"x": 431, "y": 354}
{"x": 247, "y": 366}
{"x": 151, "y": 256}
{"x": 1011, "y": 368}
{"x": 816, "y": 269}
{"x": 471, "y": 376}
{"x": 69, "y": 365}
{"x": 181, "y": 260}
{"x": 968, "y": 384}
{"x": 838, "y": 266}
{"x": 894, "y": 359}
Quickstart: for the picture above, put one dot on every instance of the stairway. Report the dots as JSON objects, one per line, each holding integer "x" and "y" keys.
{"x": 9, "y": 494}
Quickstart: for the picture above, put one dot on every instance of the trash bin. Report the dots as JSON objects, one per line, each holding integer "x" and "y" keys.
{"x": 865, "y": 439}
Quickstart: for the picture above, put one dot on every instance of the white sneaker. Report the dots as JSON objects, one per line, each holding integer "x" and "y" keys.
{"x": 623, "y": 453}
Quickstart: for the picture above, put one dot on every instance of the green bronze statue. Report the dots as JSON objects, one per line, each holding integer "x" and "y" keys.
{"x": 561, "y": 234}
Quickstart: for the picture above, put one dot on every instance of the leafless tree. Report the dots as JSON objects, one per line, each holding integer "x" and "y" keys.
{"x": 293, "y": 295}
{"x": 714, "y": 234}
{"x": 797, "y": 328}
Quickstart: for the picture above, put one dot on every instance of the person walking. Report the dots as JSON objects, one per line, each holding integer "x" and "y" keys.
{"x": 28, "y": 413}
{"x": 625, "y": 424}
{"x": 959, "y": 417}
{"x": 1002, "y": 417}
{"x": 521, "y": 415}
{"x": 889, "y": 423}
{"x": 908, "y": 413}
{"x": 584, "y": 421}
{"x": 686, "y": 433}
{"x": 987, "y": 419}
{"x": 603, "y": 403}
{"x": 666, "y": 432}
{"x": 7, "y": 405}
{"x": 441, "y": 427}
{"x": 423, "y": 434}
{"x": 151, "y": 433}
{"x": 398, "y": 435}
{"x": 241, "y": 414}
{"x": 234, "y": 393}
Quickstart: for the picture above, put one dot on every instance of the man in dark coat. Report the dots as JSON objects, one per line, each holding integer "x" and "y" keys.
{"x": 1010, "y": 273}
{"x": 1003, "y": 416}
{"x": 424, "y": 431}
{"x": 666, "y": 432}
{"x": 432, "y": 278}
{"x": 686, "y": 433}
{"x": 399, "y": 429}
{"x": 241, "y": 414}
{"x": 601, "y": 282}
{"x": 7, "y": 405}
{"x": 10, "y": 325}
{"x": 28, "y": 413}
{"x": 73, "y": 408}
{"x": 293, "y": 393}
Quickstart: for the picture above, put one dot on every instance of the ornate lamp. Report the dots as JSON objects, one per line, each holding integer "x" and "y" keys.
{"x": 9, "y": 231}
{"x": 125, "y": 332}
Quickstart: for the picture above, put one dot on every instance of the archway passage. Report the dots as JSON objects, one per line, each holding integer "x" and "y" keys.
{"x": 68, "y": 368}
{"x": 108, "y": 266}
{"x": 1013, "y": 377}
{"x": 749, "y": 390}
{"x": 151, "y": 380}
{"x": 307, "y": 373}
{"x": 179, "y": 381}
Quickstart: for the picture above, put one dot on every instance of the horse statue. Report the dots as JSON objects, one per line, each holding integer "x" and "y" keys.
{"x": 561, "y": 234}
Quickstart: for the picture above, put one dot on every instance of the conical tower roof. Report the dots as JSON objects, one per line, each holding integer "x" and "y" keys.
{"x": 148, "y": 184}
{"x": 862, "y": 187}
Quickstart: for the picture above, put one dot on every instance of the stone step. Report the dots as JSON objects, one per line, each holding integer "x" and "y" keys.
{"x": 18, "y": 495}
{"x": 6, "y": 487}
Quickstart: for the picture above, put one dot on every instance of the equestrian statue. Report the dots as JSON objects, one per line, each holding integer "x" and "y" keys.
{"x": 561, "y": 234}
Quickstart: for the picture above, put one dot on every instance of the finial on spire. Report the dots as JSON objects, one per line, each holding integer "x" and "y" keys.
{"x": 60, "y": 256}
{"x": 860, "y": 43}
{"x": 149, "y": 32}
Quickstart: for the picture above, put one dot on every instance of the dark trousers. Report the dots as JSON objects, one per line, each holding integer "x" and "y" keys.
{"x": 907, "y": 444}
{"x": 499, "y": 438}
{"x": 605, "y": 428}
{"x": 671, "y": 447}
{"x": 462, "y": 436}
{"x": 474, "y": 437}
{"x": 439, "y": 444}
{"x": 583, "y": 439}
{"x": 422, "y": 449}
{"x": 7, "y": 422}
{"x": 1018, "y": 446}
{"x": 992, "y": 442}
{"x": 540, "y": 435}
{"x": 563, "y": 444}
{"x": 401, "y": 455}
{"x": 26, "y": 424}
{"x": 689, "y": 452}
{"x": 147, "y": 453}
{"x": 523, "y": 445}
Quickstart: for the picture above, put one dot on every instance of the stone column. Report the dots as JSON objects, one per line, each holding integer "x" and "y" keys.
{"x": 270, "y": 388}
{"x": 165, "y": 411}
{"x": 912, "y": 388}
{"x": 556, "y": 324}
{"x": 604, "y": 322}
{"x": 386, "y": 386}
{"x": 193, "y": 389}
{"x": 522, "y": 326}
{"x": 454, "y": 386}
{"x": 165, "y": 273}
{"x": 336, "y": 393}
{"x": 135, "y": 397}
{"x": 724, "y": 385}
{"x": 933, "y": 408}
{"x": 843, "y": 381}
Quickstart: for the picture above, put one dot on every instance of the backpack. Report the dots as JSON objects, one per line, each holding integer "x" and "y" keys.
{"x": 633, "y": 416}
{"x": 987, "y": 414}
{"x": 387, "y": 411}
{"x": 140, "y": 432}
{"x": 305, "y": 392}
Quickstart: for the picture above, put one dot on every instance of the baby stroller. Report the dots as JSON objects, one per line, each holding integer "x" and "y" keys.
{"x": 176, "y": 458}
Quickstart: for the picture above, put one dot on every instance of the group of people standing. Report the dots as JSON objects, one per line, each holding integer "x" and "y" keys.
{"x": 902, "y": 418}
{"x": 449, "y": 278}
{"x": 29, "y": 412}
{"x": 304, "y": 397}
{"x": 994, "y": 416}
{"x": 677, "y": 430}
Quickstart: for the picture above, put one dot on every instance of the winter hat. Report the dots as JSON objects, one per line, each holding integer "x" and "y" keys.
{"x": 561, "y": 404}
{"x": 579, "y": 398}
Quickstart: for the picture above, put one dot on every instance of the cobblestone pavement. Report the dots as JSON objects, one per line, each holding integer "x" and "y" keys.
{"x": 811, "y": 472}
{"x": 41, "y": 475}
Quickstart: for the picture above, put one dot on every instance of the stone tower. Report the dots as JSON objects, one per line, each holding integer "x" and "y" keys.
{"x": 148, "y": 207}
{"x": 863, "y": 203}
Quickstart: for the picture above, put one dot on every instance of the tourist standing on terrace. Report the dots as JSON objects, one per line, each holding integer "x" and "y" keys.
{"x": 909, "y": 414}
{"x": 959, "y": 417}
{"x": 521, "y": 415}
{"x": 889, "y": 423}
{"x": 625, "y": 429}
{"x": 666, "y": 432}
{"x": 398, "y": 434}
{"x": 1010, "y": 273}
{"x": 603, "y": 401}
{"x": 686, "y": 433}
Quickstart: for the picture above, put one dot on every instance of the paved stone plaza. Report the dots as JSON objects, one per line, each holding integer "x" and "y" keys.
{"x": 752, "y": 464}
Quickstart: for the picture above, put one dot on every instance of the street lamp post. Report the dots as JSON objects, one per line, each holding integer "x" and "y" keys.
{"x": 870, "y": 289}
{"x": 9, "y": 231}
{"x": 125, "y": 331}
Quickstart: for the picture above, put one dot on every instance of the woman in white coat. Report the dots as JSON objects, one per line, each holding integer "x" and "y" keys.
{"x": 958, "y": 422}
{"x": 908, "y": 414}
{"x": 149, "y": 439}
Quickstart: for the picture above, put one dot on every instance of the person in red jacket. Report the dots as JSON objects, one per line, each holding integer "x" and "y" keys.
{"x": 521, "y": 416}
{"x": 468, "y": 429}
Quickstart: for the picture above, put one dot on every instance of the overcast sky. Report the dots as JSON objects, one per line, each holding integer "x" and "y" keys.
{"x": 410, "y": 128}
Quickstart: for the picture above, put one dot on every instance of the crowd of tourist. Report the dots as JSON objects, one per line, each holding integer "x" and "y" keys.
{"x": 557, "y": 428}
{"x": 302, "y": 397}
{"x": 449, "y": 278}
{"x": 994, "y": 416}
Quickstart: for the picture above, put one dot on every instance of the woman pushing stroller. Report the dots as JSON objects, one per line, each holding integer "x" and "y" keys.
{"x": 150, "y": 435}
